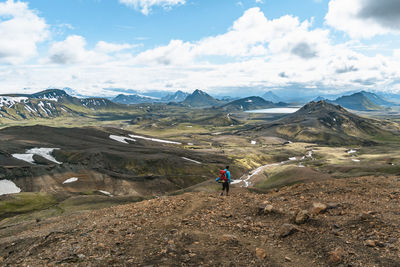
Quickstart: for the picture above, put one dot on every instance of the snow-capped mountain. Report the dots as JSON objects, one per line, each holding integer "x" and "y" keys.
{"x": 178, "y": 96}
{"x": 134, "y": 99}
{"x": 48, "y": 103}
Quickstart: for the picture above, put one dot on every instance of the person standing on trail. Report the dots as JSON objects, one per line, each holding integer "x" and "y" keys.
{"x": 225, "y": 179}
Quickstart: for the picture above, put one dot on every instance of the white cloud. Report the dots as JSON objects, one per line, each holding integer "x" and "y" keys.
{"x": 251, "y": 35}
{"x": 73, "y": 51}
{"x": 145, "y": 5}
{"x": 21, "y": 29}
{"x": 255, "y": 52}
{"x": 111, "y": 47}
{"x": 364, "y": 18}
{"x": 259, "y": 1}
{"x": 176, "y": 52}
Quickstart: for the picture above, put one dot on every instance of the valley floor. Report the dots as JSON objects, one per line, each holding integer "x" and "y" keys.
{"x": 345, "y": 222}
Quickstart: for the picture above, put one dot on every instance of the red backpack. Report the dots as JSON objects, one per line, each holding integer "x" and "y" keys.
{"x": 222, "y": 176}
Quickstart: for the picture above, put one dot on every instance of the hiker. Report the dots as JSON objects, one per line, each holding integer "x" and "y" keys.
{"x": 225, "y": 179}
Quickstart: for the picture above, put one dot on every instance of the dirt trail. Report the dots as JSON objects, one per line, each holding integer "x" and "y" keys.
{"x": 359, "y": 226}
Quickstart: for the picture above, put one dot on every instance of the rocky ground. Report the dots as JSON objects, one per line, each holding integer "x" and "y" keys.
{"x": 347, "y": 222}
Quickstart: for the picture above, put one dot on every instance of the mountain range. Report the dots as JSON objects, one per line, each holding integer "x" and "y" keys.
{"x": 134, "y": 99}
{"x": 251, "y": 103}
{"x": 56, "y": 103}
{"x": 361, "y": 101}
{"x": 201, "y": 99}
{"x": 178, "y": 96}
{"x": 49, "y": 103}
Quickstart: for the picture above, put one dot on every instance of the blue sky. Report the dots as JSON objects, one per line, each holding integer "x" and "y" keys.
{"x": 113, "y": 22}
{"x": 103, "y": 47}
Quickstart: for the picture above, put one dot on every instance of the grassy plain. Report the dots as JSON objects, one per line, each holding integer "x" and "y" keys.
{"x": 212, "y": 131}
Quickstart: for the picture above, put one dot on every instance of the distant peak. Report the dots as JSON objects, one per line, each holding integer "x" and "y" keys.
{"x": 320, "y": 106}
{"x": 57, "y": 91}
{"x": 360, "y": 93}
{"x": 199, "y": 92}
{"x": 51, "y": 93}
{"x": 319, "y": 103}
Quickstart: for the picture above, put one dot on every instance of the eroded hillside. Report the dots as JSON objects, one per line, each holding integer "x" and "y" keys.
{"x": 349, "y": 222}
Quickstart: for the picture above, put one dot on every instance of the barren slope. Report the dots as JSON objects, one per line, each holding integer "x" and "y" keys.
{"x": 359, "y": 227}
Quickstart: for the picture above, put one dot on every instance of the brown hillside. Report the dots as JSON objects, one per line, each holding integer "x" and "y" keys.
{"x": 325, "y": 123}
{"x": 356, "y": 223}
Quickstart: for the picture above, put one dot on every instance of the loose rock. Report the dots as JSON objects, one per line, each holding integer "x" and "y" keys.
{"x": 302, "y": 217}
{"x": 261, "y": 253}
{"x": 230, "y": 239}
{"x": 365, "y": 216}
{"x": 269, "y": 209}
{"x": 319, "y": 208}
{"x": 370, "y": 243}
{"x": 287, "y": 229}
{"x": 336, "y": 256}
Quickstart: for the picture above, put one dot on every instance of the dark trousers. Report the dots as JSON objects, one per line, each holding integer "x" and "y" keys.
{"x": 225, "y": 186}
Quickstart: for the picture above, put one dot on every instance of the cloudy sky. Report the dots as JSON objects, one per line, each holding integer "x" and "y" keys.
{"x": 103, "y": 47}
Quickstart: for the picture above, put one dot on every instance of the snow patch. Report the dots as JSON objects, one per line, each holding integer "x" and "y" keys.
{"x": 121, "y": 139}
{"x": 25, "y": 157}
{"x": 8, "y": 187}
{"x": 195, "y": 161}
{"x": 106, "y": 193}
{"x": 43, "y": 152}
{"x": 246, "y": 180}
{"x": 351, "y": 151}
{"x": 70, "y": 180}
{"x": 355, "y": 160}
{"x": 50, "y": 98}
{"x": 253, "y": 142}
{"x": 10, "y": 101}
{"x": 41, "y": 105}
{"x": 154, "y": 139}
{"x": 29, "y": 109}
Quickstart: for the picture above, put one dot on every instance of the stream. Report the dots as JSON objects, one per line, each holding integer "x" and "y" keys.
{"x": 246, "y": 178}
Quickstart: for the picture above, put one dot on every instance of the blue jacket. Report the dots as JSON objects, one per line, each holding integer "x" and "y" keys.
{"x": 228, "y": 175}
